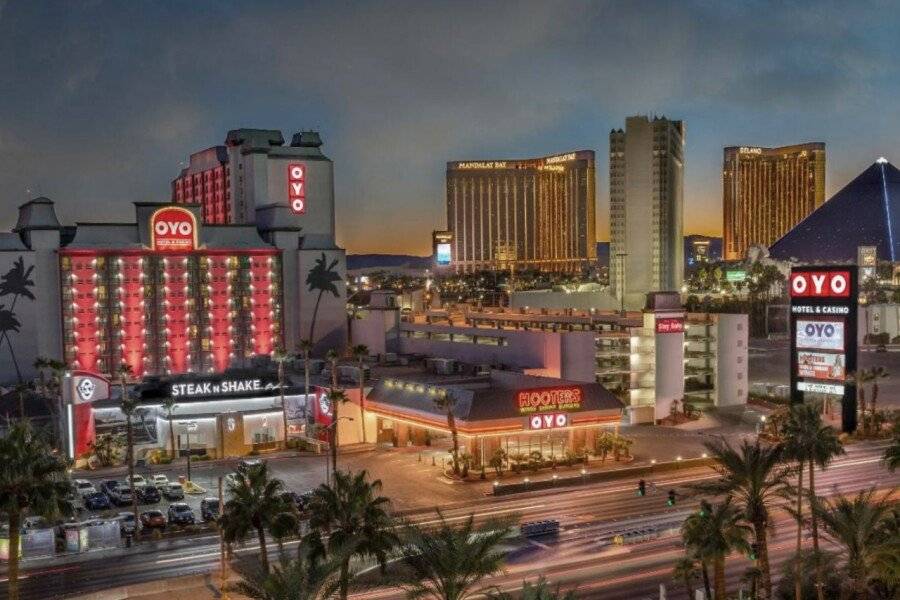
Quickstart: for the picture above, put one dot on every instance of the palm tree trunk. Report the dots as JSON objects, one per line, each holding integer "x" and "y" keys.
{"x": 451, "y": 423}
{"x": 719, "y": 577}
{"x": 334, "y": 438}
{"x": 283, "y": 405}
{"x": 820, "y": 592}
{"x": 704, "y": 570}
{"x": 12, "y": 354}
{"x": 263, "y": 551}
{"x": 130, "y": 454}
{"x": 312, "y": 324}
{"x": 362, "y": 402}
{"x": 798, "y": 592}
{"x": 759, "y": 531}
{"x": 171, "y": 436}
{"x": 15, "y": 524}
{"x": 344, "y": 579}
{"x": 688, "y": 587}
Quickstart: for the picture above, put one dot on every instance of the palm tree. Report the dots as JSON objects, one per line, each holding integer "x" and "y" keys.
{"x": 321, "y": 278}
{"x": 446, "y": 402}
{"x": 540, "y": 590}
{"x": 685, "y": 571}
{"x": 169, "y": 405}
{"x": 808, "y": 441}
{"x": 254, "y": 505}
{"x": 712, "y": 534}
{"x": 447, "y": 562}
{"x": 857, "y": 526}
{"x": 16, "y": 282}
{"x": 355, "y": 519}
{"x": 875, "y": 373}
{"x": 360, "y": 352}
{"x": 50, "y": 388}
{"x": 753, "y": 477}
{"x": 305, "y": 348}
{"x": 33, "y": 480}
{"x": 892, "y": 453}
{"x": 304, "y": 578}
{"x": 336, "y": 398}
{"x": 280, "y": 358}
{"x": 128, "y": 407}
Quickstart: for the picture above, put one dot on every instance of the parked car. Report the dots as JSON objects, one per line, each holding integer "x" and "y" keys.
{"x": 250, "y": 462}
{"x": 29, "y": 523}
{"x": 137, "y": 481}
{"x": 153, "y": 519}
{"x": 160, "y": 481}
{"x": 121, "y": 495}
{"x": 209, "y": 509}
{"x": 83, "y": 487}
{"x": 294, "y": 499}
{"x": 97, "y": 501}
{"x": 126, "y": 523}
{"x": 181, "y": 514}
{"x": 108, "y": 485}
{"x": 149, "y": 494}
{"x": 174, "y": 491}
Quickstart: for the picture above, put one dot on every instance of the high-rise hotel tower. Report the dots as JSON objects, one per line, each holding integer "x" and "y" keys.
{"x": 646, "y": 195}
{"x": 536, "y": 213}
{"x": 767, "y": 191}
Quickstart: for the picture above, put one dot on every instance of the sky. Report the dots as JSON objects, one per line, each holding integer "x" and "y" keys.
{"x": 101, "y": 102}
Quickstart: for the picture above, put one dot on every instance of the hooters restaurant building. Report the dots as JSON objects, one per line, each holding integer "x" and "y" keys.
{"x": 518, "y": 413}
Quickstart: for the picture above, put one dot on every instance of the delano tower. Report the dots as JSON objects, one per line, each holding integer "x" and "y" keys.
{"x": 535, "y": 213}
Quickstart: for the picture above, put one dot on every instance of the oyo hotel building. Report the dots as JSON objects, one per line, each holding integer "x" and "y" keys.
{"x": 522, "y": 214}
{"x": 175, "y": 290}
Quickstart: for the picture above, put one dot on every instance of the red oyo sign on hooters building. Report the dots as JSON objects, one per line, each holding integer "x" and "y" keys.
{"x": 820, "y": 284}
{"x": 173, "y": 229}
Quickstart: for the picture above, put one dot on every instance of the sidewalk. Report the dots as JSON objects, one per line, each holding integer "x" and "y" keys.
{"x": 191, "y": 587}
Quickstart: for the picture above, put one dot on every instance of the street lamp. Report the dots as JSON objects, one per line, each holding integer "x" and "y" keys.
{"x": 330, "y": 429}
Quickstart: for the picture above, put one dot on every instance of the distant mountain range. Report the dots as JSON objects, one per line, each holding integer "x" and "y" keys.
{"x": 411, "y": 261}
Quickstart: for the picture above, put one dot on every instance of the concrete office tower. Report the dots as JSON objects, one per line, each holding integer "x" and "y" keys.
{"x": 536, "y": 213}
{"x": 767, "y": 191}
{"x": 646, "y": 190}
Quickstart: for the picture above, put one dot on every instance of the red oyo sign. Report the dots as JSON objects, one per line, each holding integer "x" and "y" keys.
{"x": 669, "y": 325}
{"x": 297, "y": 188}
{"x": 549, "y": 400}
{"x": 173, "y": 229}
{"x": 548, "y": 421}
{"x": 820, "y": 284}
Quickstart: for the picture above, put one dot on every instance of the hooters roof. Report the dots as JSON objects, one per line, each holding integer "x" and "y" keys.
{"x": 502, "y": 395}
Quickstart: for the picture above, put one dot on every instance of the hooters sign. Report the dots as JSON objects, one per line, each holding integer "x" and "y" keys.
{"x": 549, "y": 400}
{"x": 820, "y": 284}
{"x": 173, "y": 229}
{"x": 297, "y": 188}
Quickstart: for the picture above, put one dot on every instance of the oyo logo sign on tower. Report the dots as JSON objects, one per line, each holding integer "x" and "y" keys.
{"x": 173, "y": 229}
{"x": 297, "y": 188}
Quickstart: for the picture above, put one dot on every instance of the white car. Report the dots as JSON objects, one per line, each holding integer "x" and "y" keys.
{"x": 83, "y": 487}
{"x": 137, "y": 481}
{"x": 230, "y": 479}
{"x": 173, "y": 491}
{"x": 160, "y": 481}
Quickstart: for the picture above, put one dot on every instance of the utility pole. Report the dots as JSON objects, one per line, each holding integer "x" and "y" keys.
{"x": 223, "y": 563}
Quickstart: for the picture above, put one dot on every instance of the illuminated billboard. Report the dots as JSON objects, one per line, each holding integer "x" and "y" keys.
{"x": 820, "y": 335}
{"x": 670, "y": 325}
{"x": 821, "y": 365}
{"x": 735, "y": 275}
{"x": 442, "y": 254}
{"x": 297, "y": 188}
{"x": 173, "y": 229}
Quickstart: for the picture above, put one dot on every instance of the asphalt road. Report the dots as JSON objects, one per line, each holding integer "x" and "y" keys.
{"x": 579, "y": 557}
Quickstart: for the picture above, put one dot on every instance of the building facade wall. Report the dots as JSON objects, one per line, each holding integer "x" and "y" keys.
{"x": 767, "y": 191}
{"x": 732, "y": 362}
{"x": 523, "y": 214}
{"x": 646, "y": 179}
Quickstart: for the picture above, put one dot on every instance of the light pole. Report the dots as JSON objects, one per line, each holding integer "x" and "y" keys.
{"x": 330, "y": 428}
{"x": 190, "y": 426}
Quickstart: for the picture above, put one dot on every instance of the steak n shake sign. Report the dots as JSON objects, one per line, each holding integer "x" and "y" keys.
{"x": 549, "y": 400}
{"x": 220, "y": 388}
{"x": 173, "y": 229}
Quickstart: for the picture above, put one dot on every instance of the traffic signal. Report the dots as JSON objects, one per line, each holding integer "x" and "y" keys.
{"x": 705, "y": 508}
{"x": 642, "y": 488}
{"x": 671, "y": 500}
{"x": 754, "y": 551}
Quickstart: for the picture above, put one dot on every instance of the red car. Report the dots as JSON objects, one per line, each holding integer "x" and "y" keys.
{"x": 151, "y": 519}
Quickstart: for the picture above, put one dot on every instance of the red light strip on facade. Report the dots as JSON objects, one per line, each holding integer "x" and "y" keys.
{"x": 220, "y": 322}
{"x": 262, "y": 307}
{"x": 176, "y": 317}
{"x": 84, "y": 313}
{"x": 131, "y": 303}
